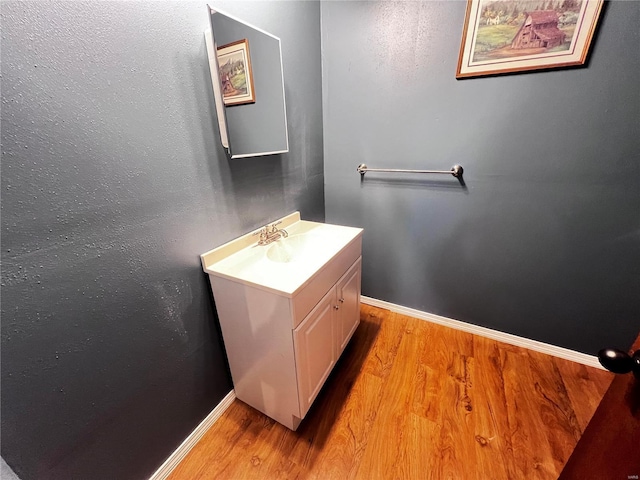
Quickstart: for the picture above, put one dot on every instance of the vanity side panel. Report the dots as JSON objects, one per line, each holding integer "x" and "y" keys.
{"x": 311, "y": 293}
{"x": 256, "y": 328}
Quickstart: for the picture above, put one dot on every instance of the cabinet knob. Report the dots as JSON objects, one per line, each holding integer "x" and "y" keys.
{"x": 341, "y": 300}
{"x": 336, "y": 307}
{"x": 619, "y": 361}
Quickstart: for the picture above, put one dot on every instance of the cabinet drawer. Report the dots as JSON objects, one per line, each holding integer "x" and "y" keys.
{"x": 311, "y": 293}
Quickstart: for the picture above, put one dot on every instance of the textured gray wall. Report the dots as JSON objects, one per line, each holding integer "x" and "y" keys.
{"x": 113, "y": 182}
{"x": 544, "y": 241}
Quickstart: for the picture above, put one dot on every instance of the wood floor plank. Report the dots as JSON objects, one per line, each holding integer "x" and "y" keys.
{"x": 443, "y": 357}
{"x": 556, "y": 410}
{"x": 237, "y": 430}
{"x": 532, "y": 453}
{"x": 417, "y": 457}
{"x": 348, "y": 438}
{"x": 414, "y": 400}
{"x": 455, "y": 444}
{"x": 384, "y": 350}
{"x": 389, "y": 429}
{"x": 580, "y": 382}
{"x": 494, "y": 450}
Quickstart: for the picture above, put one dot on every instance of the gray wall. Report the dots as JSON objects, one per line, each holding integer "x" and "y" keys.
{"x": 544, "y": 240}
{"x": 113, "y": 183}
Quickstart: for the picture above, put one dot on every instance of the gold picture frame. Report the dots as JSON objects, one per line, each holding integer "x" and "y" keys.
{"x": 236, "y": 75}
{"x": 505, "y": 36}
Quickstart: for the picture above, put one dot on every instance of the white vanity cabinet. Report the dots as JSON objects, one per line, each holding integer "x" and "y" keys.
{"x": 324, "y": 333}
{"x": 285, "y": 325}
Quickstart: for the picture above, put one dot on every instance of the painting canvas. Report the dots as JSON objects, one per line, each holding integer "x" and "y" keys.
{"x": 503, "y": 36}
{"x": 236, "y": 76}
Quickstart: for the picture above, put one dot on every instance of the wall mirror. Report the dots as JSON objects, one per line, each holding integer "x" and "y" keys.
{"x": 248, "y": 86}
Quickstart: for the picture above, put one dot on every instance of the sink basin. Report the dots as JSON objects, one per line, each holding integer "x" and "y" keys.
{"x": 292, "y": 248}
{"x": 287, "y": 264}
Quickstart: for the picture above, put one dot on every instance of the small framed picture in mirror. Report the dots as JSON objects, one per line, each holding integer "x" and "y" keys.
{"x": 236, "y": 76}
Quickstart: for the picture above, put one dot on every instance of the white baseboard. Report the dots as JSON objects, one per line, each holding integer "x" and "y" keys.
{"x": 578, "y": 357}
{"x": 176, "y": 457}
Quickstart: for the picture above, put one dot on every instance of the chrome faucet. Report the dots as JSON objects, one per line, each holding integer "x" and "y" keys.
{"x": 271, "y": 233}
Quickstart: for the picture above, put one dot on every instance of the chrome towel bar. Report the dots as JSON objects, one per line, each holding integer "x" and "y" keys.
{"x": 456, "y": 170}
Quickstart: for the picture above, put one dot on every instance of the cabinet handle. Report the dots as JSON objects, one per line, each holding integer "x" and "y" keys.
{"x": 336, "y": 307}
{"x": 341, "y": 300}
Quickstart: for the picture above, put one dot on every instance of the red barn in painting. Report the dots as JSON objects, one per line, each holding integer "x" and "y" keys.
{"x": 539, "y": 30}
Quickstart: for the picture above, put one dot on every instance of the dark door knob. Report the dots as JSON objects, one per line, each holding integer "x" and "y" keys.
{"x": 618, "y": 361}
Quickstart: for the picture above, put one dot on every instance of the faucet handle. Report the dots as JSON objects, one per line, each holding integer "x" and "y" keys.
{"x": 273, "y": 226}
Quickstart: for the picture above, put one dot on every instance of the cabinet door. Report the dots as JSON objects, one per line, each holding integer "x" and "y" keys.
{"x": 348, "y": 292}
{"x": 314, "y": 341}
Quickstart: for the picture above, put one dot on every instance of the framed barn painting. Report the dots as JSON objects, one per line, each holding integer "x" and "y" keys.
{"x": 236, "y": 76}
{"x": 502, "y": 36}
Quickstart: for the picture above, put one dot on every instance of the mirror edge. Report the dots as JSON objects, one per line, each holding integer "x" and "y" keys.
{"x": 215, "y": 82}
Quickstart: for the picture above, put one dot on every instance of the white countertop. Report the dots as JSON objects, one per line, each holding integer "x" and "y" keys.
{"x": 244, "y": 261}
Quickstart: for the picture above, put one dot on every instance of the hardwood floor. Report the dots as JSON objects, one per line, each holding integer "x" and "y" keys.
{"x": 414, "y": 400}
